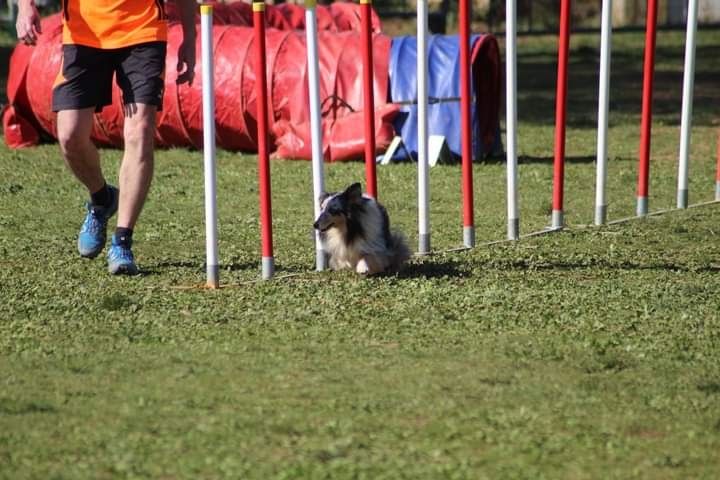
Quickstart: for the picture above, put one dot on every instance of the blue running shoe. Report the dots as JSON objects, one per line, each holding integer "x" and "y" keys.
{"x": 120, "y": 259}
{"x": 93, "y": 232}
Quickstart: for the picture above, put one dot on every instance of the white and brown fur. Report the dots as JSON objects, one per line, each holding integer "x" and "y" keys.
{"x": 355, "y": 232}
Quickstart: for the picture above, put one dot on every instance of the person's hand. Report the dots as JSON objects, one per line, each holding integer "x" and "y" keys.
{"x": 28, "y": 22}
{"x": 186, "y": 61}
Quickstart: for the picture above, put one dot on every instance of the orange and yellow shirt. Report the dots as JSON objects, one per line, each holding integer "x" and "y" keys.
{"x": 113, "y": 23}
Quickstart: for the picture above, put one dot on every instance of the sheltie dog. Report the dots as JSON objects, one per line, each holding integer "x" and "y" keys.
{"x": 355, "y": 232}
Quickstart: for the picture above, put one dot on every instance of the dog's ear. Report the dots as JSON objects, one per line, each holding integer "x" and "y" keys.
{"x": 354, "y": 193}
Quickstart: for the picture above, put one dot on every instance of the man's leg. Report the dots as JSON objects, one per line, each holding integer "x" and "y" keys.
{"x": 136, "y": 171}
{"x": 81, "y": 157}
{"x": 136, "y": 174}
{"x": 79, "y": 152}
{"x": 140, "y": 75}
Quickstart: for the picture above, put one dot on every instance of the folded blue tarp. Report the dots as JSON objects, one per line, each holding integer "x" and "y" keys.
{"x": 444, "y": 91}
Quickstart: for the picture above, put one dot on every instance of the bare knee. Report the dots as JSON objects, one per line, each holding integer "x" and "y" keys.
{"x": 73, "y": 132}
{"x": 73, "y": 141}
{"x": 139, "y": 134}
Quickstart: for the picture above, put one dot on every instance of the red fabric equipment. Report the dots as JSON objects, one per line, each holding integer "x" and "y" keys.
{"x": 33, "y": 72}
{"x": 336, "y": 17}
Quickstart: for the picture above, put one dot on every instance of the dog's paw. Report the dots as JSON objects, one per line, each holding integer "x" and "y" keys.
{"x": 362, "y": 267}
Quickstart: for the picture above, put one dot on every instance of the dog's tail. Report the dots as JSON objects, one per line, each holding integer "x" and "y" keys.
{"x": 399, "y": 251}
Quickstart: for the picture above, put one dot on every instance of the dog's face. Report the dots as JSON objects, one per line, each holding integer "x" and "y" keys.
{"x": 336, "y": 208}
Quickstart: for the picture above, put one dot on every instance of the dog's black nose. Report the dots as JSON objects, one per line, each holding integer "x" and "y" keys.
{"x": 316, "y": 226}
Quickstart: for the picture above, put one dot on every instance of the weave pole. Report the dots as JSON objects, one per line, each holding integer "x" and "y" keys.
{"x": 422, "y": 99}
{"x": 368, "y": 97}
{"x": 646, "y": 122}
{"x": 208, "y": 92}
{"x": 560, "y": 110}
{"x": 466, "y": 125}
{"x": 513, "y": 227}
{"x": 268, "y": 262}
{"x": 603, "y": 107}
{"x": 687, "y": 104}
{"x": 315, "y": 123}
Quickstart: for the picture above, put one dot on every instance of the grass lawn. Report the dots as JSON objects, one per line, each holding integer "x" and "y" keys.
{"x": 590, "y": 353}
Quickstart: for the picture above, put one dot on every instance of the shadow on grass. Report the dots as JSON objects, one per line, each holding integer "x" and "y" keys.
{"x": 432, "y": 269}
{"x": 194, "y": 267}
{"x": 15, "y": 407}
{"x": 710, "y": 388}
{"x": 597, "y": 264}
{"x": 527, "y": 159}
{"x": 161, "y": 267}
{"x": 500, "y": 158}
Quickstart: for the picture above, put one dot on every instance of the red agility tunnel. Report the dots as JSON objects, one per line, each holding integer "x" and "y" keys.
{"x": 33, "y": 71}
{"x": 20, "y": 125}
{"x": 336, "y": 17}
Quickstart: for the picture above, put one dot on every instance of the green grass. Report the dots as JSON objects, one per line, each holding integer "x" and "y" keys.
{"x": 591, "y": 353}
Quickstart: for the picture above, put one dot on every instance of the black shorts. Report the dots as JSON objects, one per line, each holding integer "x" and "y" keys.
{"x": 87, "y": 73}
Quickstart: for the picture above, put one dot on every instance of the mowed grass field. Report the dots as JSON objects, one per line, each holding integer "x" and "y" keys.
{"x": 589, "y": 353}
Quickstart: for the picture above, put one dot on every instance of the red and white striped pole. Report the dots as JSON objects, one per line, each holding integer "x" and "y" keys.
{"x": 646, "y": 122}
{"x": 466, "y": 125}
{"x": 268, "y": 263}
{"x": 368, "y": 97}
{"x": 560, "y": 108}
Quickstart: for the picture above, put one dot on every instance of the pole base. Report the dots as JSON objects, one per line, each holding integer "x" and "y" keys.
{"x": 213, "y": 276}
{"x": 321, "y": 260}
{"x": 513, "y": 231}
{"x": 600, "y": 214}
{"x": 424, "y": 243}
{"x": 469, "y": 236}
{"x": 558, "y": 220}
{"x": 642, "y": 206}
{"x": 682, "y": 199}
{"x": 268, "y": 267}
{"x": 717, "y": 190}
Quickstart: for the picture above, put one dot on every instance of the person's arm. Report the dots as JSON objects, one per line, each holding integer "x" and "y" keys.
{"x": 186, "y": 51}
{"x": 28, "y": 22}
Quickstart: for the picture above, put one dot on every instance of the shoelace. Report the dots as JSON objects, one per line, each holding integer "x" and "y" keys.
{"x": 119, "y": 252}
{"x": 94, "y": 220}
